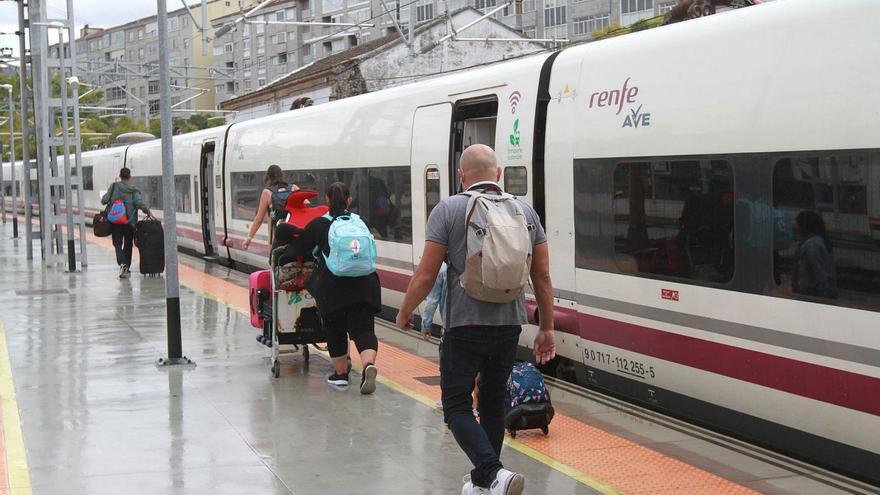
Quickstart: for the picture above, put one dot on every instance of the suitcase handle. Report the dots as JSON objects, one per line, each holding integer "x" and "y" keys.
{"x": 251, "y": 302}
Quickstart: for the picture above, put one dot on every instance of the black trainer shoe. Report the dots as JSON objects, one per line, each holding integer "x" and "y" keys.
{"x": 338, "y": 380}
{"x": 368, "y": 379}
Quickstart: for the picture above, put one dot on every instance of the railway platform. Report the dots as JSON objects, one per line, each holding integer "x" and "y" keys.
{"x": 86, "y": 411}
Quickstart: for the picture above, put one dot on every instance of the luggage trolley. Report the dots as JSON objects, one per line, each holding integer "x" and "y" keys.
{"x": 294, "y": 318}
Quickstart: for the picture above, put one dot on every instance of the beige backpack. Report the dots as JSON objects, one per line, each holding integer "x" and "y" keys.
{"x": 499, "y": 247}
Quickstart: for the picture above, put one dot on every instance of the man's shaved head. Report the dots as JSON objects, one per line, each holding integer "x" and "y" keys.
{"x": 477, "y": 163}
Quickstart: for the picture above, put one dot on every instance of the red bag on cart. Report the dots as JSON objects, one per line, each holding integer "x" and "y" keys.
{"x": 259, "y": 292}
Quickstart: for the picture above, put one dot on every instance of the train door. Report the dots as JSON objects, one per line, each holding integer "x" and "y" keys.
{"x": 206, "y": 196}
{"x": 474, "y": 123}
{"x": 430, "y": 165}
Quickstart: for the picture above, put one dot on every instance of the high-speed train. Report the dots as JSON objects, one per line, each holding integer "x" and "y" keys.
{"x": 675, "y": 170}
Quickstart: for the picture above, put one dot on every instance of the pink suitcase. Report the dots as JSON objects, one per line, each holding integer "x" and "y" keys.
{"x": 259, "y": 290}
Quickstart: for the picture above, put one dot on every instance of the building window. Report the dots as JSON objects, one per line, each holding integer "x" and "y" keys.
{"x": 261, "y": 44}
{"x": 153, "y": 87}
{"x": 228, "y": 48}
{"x": 247, "y": 71}
{"x": 665, "y": 7}
{"x": 529, "y": 32}
{"x": 172, "y": 24}
{"x": 247, "y": 84}
{"x": 279, "y": 16}
{"x": 117, "y": 37}
{"x": 337, "y": 45}
{"x": 115, "y": 93}
{"x": 218, "y": 51}
{"x": 289, "y": 15}
{"x": 152, "y": 29}
{"x": 261, "y": 81}
{"x": 154, "y": 106}
{"x": 184, "y": 21}
{"x": 153, "y": 49}
{"x": 333, "y": 5}
{"x": 633, "y": 6}
{"x": 425, "y": 10}
{"x": 132, "y": 35}
{"x": 553, "y": 15}
{"x": 246, "y": 31}
{"x": 131, "y": 55}
{"x": 140, "y": 34}
{"x": 218, "y": 88}
{"x": 586, "y": 25}
{"x": 260, "y": 27}
{"x": 278, "y": 39}
{"x": 140, "y": 53}
{"x": 230, "y": 87}
{"x": 186, "y": 42}
{"x": 281, "y": 59}
{"x": 484, "y": 4}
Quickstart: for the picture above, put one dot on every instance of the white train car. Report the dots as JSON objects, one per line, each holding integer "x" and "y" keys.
{"x": 679, "y": 150}
{"x": 669, "y": 167}
{"x": 199, "y": 209}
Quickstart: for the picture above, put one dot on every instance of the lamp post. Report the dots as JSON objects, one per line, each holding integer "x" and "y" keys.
{"x": 8, "y": 88}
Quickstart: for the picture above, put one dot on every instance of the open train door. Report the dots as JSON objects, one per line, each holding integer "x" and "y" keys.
{"x": 206, "y": 196}
{"x": 430, "y": 167}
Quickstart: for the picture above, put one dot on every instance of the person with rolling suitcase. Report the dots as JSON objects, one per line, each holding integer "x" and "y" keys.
{"x": 123, "y": 201}
{"x": 528, "y": 401}
{"x": 150, "y": 240}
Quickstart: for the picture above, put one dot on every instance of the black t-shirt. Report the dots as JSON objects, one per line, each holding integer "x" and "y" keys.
{"x": 334, "y": 293}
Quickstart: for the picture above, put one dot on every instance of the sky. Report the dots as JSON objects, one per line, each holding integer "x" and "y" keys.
{"x": 92, "y": 12}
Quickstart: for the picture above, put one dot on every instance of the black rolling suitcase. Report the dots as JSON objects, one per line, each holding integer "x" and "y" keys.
{"x": 150, "y": 241}
{"x": 528, "y": 401}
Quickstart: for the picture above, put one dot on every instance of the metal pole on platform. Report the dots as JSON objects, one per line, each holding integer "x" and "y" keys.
{"x": 25, "y": 138}
{"x": 12, "y": 165}
{"x": 169, "y": 201}
{"x": 68, "y": 197}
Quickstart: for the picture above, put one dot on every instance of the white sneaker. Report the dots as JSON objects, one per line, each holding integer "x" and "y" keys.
{"x": 121, "y": 271}
{"x": 507, "y": 483}
{"x": 126, "y": 272}
{"x": 471, "y": 489}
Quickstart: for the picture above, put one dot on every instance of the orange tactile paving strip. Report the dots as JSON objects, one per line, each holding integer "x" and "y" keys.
{"x": 613, "y": 463}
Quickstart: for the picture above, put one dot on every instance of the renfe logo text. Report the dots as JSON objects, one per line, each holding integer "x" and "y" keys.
{"x": 615, "y": 97}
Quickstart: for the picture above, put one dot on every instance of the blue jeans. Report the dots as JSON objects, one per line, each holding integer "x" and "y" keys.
{"x": 464, "y": 352}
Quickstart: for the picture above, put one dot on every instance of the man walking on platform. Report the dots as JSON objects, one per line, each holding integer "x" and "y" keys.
{"x": 492, "y": 243}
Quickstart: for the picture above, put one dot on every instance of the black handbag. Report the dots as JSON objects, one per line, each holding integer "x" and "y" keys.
{"x": 101, "y": 226}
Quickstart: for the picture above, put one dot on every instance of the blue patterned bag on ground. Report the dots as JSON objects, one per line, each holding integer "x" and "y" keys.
{"x": 526, "y": 385}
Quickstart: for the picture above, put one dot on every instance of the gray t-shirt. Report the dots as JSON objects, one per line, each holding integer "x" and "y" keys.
{"x": 446, "y": 226}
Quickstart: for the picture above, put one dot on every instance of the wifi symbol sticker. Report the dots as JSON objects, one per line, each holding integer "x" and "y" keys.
{"x": 514, "y": 100}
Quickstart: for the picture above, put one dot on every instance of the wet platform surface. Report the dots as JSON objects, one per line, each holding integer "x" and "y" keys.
{"x": 96, "y": 416}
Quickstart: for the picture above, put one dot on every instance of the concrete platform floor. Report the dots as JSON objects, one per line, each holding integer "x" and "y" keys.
{"x": 97, "y": 416}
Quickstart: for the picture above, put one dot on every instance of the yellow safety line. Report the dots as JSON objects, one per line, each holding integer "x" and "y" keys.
{"x": 16, "y": 455}
{"x": 565, "y": 469}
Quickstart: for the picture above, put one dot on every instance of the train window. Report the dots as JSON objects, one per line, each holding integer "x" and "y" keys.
{"x": 88, "y": 183}
{"x": 381, "y": 196}
{"x": 674, "y": 219}
{"x": 432, "y": 190}
{"x": 150, "y": 187}
{"x": 516, "y": 181}
{"x": 246, "y": 190}
{"x": 183, "y": 200}
{"x": 827, "y": 233}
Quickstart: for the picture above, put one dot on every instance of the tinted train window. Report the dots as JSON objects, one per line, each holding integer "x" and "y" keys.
{"x": 87, "y": 180}
{"x": 150, "y": 187}
{"x": 827, "y": 227}
{"x": 246, "y": 190}
{"x": 516, "y": 181}
{"x": 432, "y": 191}
{"x": 675, "y": 219}
{"x": 182, "y": 197}
{"x": 382, "y": 196}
